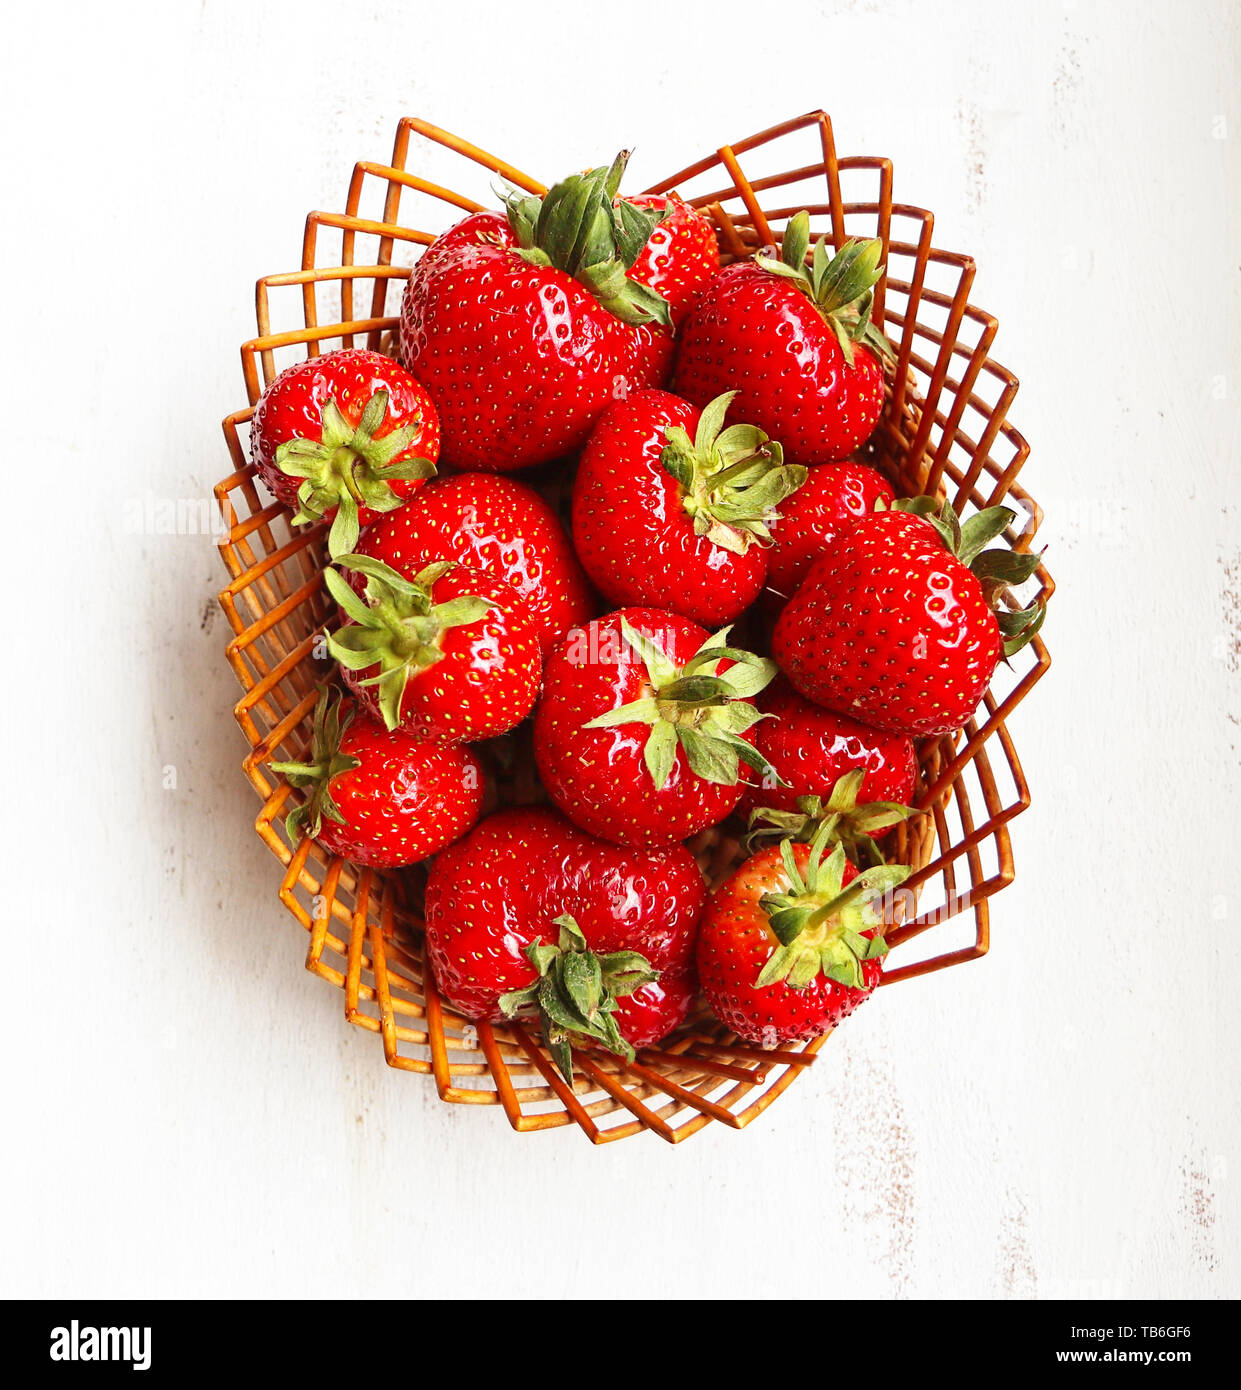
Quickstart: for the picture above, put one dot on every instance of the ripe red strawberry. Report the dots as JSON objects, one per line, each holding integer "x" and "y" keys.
{"x": 795, "y": 342}
{"x": 680, "y": 254}
{"x": 493, "y": 524}
{"x": 656, "y": 1008}
{"x": 791, "y": 943}
{"x": 828, "y": 762}
{"x": 450, "y": 656}
{"x": 643, "y": 726}
{"x": 523, "y": 330}
{"x": 895, "y": 625}
{"x": 679, "y": 257}
{"x": 527, "y": 913}
{"x": 345, "y": 436}
{"x": 664, "y": 520}
{"x": 832, "y": 498}
{"x": 378, "y": 797}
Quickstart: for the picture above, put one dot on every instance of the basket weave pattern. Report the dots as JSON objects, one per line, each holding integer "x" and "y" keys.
{"x": 944, "y": 431}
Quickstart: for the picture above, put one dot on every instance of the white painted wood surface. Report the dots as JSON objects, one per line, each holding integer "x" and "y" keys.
{"x": 187, "y": 1112}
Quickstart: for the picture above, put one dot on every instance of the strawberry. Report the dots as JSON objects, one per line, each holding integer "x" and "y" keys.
{"x": 827, "y": 760}
{"x": 344, "y": 436}
{"x": 493, "y": 524}
{"x": 380, "y": 797}
{"x": 796, "y": 343}
{"x": 529, "y": 914}
{"x": 832, "y": 498}
{"x": 791, "y": 943}
{"x": 450, "y": 655}
{"x": 523, "y": 330}
{"x": 680, "y": 254}
{"x": 895, "y": 622}
{"x": 670, "y": 521}
{"x": 679, "y": 257}
{"x": 643, "y": 726}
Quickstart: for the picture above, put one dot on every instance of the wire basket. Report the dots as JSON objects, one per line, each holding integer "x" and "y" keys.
{"x": 944, "y": 431}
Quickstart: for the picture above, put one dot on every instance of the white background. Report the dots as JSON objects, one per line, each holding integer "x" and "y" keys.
{"x": 186, "y": 1111}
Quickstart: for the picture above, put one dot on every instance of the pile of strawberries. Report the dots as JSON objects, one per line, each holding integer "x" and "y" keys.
{"x": 708, "y": 419}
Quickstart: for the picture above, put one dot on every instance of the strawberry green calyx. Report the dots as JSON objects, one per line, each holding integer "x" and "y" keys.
{"x": 579, "y": 227}
{"x": 349, "y": 468}
{"x": 326, "y": 762}
{"x": 839, "y": 286}
{"x": 996, "y": 570}
{"x": 819, "y": 923}
{"x": 732, "y": 480}
{"x": 697, "y": 708}
{"x": 396, "y": 626}
{"x": 846, "y": 822}
{"x": 576, "y": 993}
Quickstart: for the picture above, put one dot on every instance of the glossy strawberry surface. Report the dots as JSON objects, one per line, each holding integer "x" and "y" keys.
{"x": 487, "y": 675}
{"x": 405, "y": 800}
{"x": 633, "y": 534}
{"x": 292, "y": 408}
{"x": 500, "y": 889}
{"x": 757, "y": 334}
{"x": 734, "y": 944}
{"x": 891, "y": 629}
{"x": 520, "y": 359}
{"x": 680, "y": 256}
{"x": 494, "y": 524}
{"x": 812, "y": 748}
{"x": 833, "y": 497}
{"x": 598, "y": 777}
{"x": 654, "y": 1010}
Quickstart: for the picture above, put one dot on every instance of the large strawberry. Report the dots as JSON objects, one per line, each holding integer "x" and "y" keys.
{"x": 523, "y": 330}
{"x": 644, "y": 725}
{"x": 450, "y": 655}
{"x": 670, "y": 509}
{"x": 832, "y": 497}
{"x": 493, "y": 524}
{"x": 796, "y": 343}
{"x": 896, "y": 623}
{"x": 344, "y": 436}
{"x": 528, "y": 915}
{"x": 680, "y": 256}
{"x": 380, "y": 797}
{"x": 792, "y": 942}
{"x": 829, "y": 763}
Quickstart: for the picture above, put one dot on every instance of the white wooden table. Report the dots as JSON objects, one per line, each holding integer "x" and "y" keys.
{"x": 188, "y": 1112}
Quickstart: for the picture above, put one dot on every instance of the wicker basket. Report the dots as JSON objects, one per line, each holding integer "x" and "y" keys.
{"x": 944, "y": 431}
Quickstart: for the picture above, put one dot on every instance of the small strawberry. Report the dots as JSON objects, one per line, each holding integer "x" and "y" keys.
{"x": 493, "y": 524}
{"x": 827, "y": 761}
{"x": 345, "y": 436}
{"x": 796, "y": 343}
{"x": 529, "y": 914}
{"x": 523, "y": 330}
{"x": 378, "y": 797}
{"x": 644, "y": 724}
{"x": 680, "y": 254}
{"x": 656, "y": 1008}
{"x": 679, "y": 257}
{"x": 450, "y": 655}
{"x": 895, "y": 623}
{"x": 664, "y": 520}
{"x": 791, "y": 943}
{"x": 830, "y": 500}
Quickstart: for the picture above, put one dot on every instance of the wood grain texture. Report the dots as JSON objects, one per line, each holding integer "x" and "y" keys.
{"x": 1057, "y": 1120}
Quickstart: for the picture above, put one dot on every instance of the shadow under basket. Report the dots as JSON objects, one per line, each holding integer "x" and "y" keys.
{"x": 944, "y": 431}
